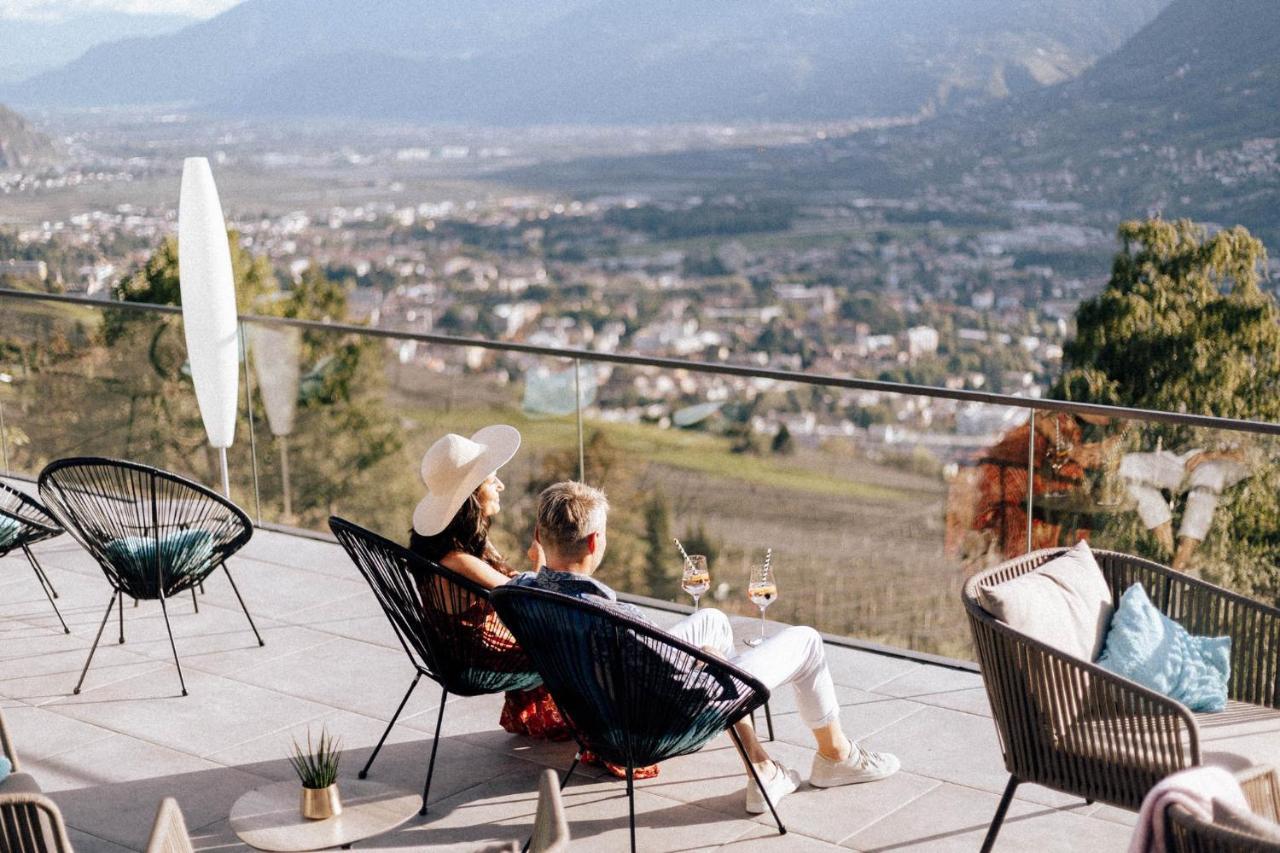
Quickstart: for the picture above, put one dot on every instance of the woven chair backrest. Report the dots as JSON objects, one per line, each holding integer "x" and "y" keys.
{"x": 445, "y": 622}
{"x": 1186, "y": 832}
{"x": 26, "y": 509}
{"x": 106, "y": 502}
{"x": 31, "y": 824}
{"x": 635, "y": 694}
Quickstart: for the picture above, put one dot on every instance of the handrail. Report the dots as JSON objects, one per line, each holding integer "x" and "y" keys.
{"x": 1033, "y": 403}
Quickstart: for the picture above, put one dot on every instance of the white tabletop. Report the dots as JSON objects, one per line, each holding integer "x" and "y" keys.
{"x": 271, "y": 818}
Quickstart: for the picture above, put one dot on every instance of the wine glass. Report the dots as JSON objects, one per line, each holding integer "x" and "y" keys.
{"x": 762, "y": 590}
{"x": 696, "y": 579}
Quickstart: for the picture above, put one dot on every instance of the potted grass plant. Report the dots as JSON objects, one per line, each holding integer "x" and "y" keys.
{"x": 317, "y": 769}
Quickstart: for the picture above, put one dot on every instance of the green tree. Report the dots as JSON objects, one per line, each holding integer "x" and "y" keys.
{"x": 782, "y": 442}
{"x": 1184, "y": 325}
{"x": 662, "y": 568}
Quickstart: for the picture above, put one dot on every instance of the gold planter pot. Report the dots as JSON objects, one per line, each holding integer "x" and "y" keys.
{"x": 321, "y": 803}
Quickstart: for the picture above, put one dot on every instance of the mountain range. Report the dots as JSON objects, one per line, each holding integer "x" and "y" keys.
{"x": 597, "y": 61}
{"x": 33, "y": 45}
{"x": 21, "y": 145}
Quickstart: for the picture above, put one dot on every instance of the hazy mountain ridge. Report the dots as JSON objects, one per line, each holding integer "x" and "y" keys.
{"x": 496, "y": 61}
{"x": 21, "y": 145}
{"x": 33, "y": 46}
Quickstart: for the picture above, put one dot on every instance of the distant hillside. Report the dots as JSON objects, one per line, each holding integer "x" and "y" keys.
{"x": 21, "y": 146}
{"x": 514, "y": 62}
{"x": 35, "y": 45}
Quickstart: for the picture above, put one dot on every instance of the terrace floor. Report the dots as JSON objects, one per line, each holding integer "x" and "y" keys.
{"x": 108, "y": 755}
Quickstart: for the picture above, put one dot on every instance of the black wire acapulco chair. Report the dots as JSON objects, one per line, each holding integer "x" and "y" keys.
{"x": 153, "y": 533}
{"x": 444, "y": 622}
{"x": 24, "y": 522}
{"x": 634, "y": 694}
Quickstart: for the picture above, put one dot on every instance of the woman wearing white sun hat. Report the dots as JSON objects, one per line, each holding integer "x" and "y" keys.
{"x": 451, "y": 522}
{"x": 451, "y": 527}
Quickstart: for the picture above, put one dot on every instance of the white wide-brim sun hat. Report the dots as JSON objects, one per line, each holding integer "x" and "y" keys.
{"x": 454, "y": 467}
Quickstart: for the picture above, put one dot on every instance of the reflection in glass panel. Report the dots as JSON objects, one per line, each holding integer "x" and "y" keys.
{"x": 366, "y": 410}
{"x": 859, "y": 494}
{"x": 109, "y": 381}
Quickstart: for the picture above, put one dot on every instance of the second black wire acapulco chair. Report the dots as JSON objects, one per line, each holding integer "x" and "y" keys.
{"x": 634, "y": 694}
{"x": 154, "y": 534}
{"x": 23, "y": 523}
{"x": 444, "y": 622}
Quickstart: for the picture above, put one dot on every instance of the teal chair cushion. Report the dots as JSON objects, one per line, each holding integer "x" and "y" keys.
{"x": 182, "y": 553}
{"x": 6, "y": 767}
{"x": 9, "y": 530}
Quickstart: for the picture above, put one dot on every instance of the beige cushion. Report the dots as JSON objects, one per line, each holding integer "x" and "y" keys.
{"x": 1064, "y": 603}
{"x": 1245, "y": 821}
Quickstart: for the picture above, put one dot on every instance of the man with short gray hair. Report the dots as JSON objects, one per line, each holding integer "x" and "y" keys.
{"x": 569, "y": 542}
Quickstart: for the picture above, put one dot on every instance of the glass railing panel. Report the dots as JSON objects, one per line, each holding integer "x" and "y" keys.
{"x": 873, "y": 504}
{"x": 106, "y": 381}
{"x": 347, "y": 417}
{"x": 1203, "y": 500}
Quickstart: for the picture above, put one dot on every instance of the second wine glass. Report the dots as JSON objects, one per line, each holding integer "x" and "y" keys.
{"x": 696, "y": 579}
{"x": 762, "y": 590}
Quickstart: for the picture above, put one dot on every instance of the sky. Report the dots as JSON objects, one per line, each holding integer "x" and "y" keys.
{"x": 56, "y": 10}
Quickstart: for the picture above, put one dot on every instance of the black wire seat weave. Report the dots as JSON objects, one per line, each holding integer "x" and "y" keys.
{"x": 153, "y": 533}
{"x": 23, "y": 523}
{"x": 634, "y": 694}
{"x": 444, "y": 621}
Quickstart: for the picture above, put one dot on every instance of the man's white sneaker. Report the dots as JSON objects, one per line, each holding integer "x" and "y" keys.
{"x": 782, "y": 782}
{"x": 861, "y": 766}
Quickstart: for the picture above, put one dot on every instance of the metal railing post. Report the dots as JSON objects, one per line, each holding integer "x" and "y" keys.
{"x": 4, "y": 440}
{"x": 577, "y": 398}
{"x": 253, "y": 438}
{"x": 1031, "y": 474}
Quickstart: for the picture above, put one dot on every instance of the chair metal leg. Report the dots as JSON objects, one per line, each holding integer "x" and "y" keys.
{"x": 631, "y": 806}
{"x": 577, "y": 756}
{"x": 40, "y": 572}
{"x": 236, "y": 590}
{"x": 94, "y": 647}
{"x": 120, "y": 608}
{"x": 165, "y": 610}
{"x": 996, "y": 821}
{"x": 46, "y": 587}
{"x": 435, "y": 743}
{"x": 737, "y": 741}
{"x": 768, "y": 719}
{"x": 365, "y": 772}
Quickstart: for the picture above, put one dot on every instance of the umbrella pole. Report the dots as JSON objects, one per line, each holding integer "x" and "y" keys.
{"x": 226, "y": 477}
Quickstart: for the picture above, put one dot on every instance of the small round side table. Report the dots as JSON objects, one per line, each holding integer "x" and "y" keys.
{"x": 270, "y": 818}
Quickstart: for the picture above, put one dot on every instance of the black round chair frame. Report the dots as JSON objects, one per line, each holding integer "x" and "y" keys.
{"x": 80, "y": 493}
{"x": 750, "y": 692}
{"x": 36, "y": 524}
{"x": 435, "y": 642}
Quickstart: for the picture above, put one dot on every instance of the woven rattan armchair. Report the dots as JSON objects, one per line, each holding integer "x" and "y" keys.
{"x": 438, "y": 617}
{"x": 23, "y": 523}
{"x": 1187, "y": 833}
{"x": 154, "y": 534}
{"x": 30, "y": 822}
{"x": 634, "y": 694}
{"x": 1075, "y": 727}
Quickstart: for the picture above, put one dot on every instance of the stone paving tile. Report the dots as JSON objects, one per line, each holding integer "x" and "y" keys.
{"x": 862, "y": 714}
{"x": 112, "y": 788}
{"x": 83, "y": 842}
{"x": 955, "y": 818}
{"x": 864, "y": 670}
{"x": 946, "y": 688}
{"x": 218, "y": 713}
{"x": 346, "y": 675}
{"x": 767, "y": 840}
{"x": 956, "y": 747}
{"x": 313, "y": 555}
{"x": 40, "y": 733}
{"x": 45, "y": 666}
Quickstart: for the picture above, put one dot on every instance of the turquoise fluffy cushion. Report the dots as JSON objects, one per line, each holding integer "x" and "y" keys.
{"x": 186, "y": 552}
{"x": 6, "y": 767}
{"x": 9, "y": 529}
{"x": 1148, "y": 647}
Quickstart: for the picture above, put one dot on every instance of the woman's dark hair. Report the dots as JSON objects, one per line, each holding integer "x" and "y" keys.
{"x": 467, "y": 531}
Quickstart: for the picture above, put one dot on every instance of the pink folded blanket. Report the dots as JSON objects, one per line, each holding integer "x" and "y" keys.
{"x": 1195, "y": 789}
